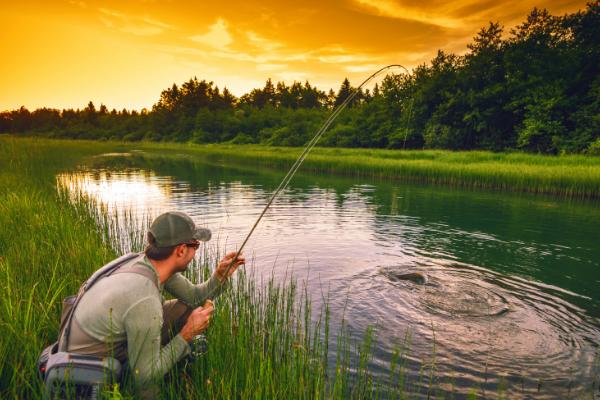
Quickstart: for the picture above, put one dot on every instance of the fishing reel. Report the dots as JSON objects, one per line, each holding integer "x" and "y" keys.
{"x": 199, "y": 346}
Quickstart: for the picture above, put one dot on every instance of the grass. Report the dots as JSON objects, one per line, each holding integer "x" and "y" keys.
{"x": 570, "y": 175}
{"x": 574, "y": 176}
{"x": 265, "y": 340}
{"x": 47, "y": 247}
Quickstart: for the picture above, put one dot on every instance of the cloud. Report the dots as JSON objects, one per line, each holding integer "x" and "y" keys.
{"x": 270, "y": 67}
{"x": 136, "y": 25}
{"x": 113, "y": 13}
{"x": 223, "y": 54}
{"x": 292, "y": 75}
{"x": 389, "y": 8}
{"x": 363, "y": 68}
{"x": 218, "y": 35}
{"x": 154, "y": 22}
{"x": 343, "y": 58}
{"x": 261, "y": 42}
{"x": 80, "y": 4}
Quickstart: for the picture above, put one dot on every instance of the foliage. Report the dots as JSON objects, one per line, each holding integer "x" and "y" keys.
{"x": 536, "y": 89}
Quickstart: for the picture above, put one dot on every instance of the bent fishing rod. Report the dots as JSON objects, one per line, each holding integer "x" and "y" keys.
{"x": 292, "y": 171}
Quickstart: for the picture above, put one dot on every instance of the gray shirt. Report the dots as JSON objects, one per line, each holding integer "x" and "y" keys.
{"x": 123, "y": 312}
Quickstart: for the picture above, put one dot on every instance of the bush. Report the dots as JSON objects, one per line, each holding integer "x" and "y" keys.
{"x": 594, "y": 148}
{"x": 341, "y": 135}
{"x": 241, "y": 138}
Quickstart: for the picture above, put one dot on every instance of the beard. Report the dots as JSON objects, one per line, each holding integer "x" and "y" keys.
{"x": 184, "y": 266}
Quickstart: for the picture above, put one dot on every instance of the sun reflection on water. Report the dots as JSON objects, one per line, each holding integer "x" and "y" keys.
{"x": 130, "y": 199}
{"x": 124, "y": 191}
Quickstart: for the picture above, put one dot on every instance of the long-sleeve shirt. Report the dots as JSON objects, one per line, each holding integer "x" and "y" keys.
{"x": 126, "y": 309}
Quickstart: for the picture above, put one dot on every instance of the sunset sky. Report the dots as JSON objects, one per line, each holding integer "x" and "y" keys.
{"x": 62, "y": 54}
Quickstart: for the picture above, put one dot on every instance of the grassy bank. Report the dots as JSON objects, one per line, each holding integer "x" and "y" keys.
{"x": 575, "y": 176}
{"x": 47, "y": 247}
{"x": 569, "y": 176}
{"x": 262, "y": 341}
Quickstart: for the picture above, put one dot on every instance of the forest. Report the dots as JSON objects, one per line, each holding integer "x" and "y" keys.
{"x": 534, "y": 88}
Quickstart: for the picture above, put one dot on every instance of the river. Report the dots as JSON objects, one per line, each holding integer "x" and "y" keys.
{"x": 507, "y": 297}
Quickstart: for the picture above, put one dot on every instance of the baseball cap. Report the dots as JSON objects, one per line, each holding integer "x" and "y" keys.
{"x": 174, "y": 227}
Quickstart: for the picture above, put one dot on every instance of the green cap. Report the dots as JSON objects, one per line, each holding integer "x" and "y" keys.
{"x": 173, "y": 227}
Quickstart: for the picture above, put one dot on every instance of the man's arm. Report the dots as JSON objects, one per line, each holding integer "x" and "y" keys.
{"x": 147, "y": 358}
{"x": 193, "y": 295}
{"x": 196, "y": 295}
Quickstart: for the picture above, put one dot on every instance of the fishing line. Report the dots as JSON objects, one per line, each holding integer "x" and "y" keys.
{"x": 309, "y": 146}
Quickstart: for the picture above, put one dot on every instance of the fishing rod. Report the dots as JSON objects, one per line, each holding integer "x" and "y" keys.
{"x": 292, "y": 171}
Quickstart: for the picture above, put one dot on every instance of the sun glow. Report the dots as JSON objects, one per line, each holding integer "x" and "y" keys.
{"x": 124, "y": 53}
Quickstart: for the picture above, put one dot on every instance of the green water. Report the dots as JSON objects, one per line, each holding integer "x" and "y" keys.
{"x": 512, "y": 281}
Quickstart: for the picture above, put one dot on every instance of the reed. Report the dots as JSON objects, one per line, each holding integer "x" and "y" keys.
{"x": 575, "y": 176}
{"x": 47, "y": 247}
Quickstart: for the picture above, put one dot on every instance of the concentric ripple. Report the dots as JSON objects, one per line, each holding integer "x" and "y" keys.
{"x": 460, "y": 298}
{"x": 489, "y": 324}
{"x": 465, "y": 299}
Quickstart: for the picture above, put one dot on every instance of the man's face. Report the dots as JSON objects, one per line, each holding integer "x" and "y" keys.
{"x": 185, "y": 254}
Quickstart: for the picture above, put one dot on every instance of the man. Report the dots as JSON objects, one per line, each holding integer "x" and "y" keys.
{"x": 125, "y": 315}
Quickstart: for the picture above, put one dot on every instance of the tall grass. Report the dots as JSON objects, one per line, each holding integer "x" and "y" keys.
{"x": 47, "y": 247}
{"x": 568, "y": 175}
{"x": 265, "y": 340}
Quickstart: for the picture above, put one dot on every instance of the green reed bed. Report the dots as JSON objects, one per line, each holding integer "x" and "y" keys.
{"x": 264, "y": 341}
{"x": 567, "y": 175}
{"x": 47, "y": 246}
{"x": 576, "y": 176}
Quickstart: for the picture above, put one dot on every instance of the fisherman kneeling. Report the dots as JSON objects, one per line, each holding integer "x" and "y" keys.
{"x": 124, "y": 315}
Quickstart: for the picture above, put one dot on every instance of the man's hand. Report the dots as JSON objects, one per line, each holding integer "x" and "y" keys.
{"x": 198, "y": 321}
{"x": 224, "y": 263}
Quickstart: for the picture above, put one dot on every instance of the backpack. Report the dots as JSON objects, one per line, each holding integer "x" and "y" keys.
{"x": 72, "y": 375}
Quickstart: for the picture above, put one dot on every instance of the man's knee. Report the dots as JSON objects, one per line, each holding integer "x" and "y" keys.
{"x": 175, "y": 314}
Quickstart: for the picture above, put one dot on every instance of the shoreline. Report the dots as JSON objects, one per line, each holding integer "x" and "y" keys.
{"x": 572, "y": 176}
{"x": 565, "y": 176}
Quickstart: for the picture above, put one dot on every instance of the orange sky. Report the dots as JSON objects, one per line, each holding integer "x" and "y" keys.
{"x": 123, "y": 53}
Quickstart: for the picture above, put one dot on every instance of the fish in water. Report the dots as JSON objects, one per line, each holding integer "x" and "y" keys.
{"x": 414, "y": 277}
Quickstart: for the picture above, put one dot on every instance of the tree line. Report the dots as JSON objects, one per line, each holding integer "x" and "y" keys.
{"x": 535, "y": 88}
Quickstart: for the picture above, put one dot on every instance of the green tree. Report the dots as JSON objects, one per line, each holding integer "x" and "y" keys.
{"x": 344, "y": 92}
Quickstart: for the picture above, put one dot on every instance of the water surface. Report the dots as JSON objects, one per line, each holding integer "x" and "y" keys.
{"x": 510, "y": 299}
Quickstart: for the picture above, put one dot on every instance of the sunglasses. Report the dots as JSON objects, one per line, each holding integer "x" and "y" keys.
{"x": 194, "y": 245}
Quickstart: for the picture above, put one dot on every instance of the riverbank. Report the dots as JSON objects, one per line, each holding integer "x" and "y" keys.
{"x": 573, "y": 176}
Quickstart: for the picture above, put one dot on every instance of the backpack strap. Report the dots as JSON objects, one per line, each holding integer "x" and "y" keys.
{"x": 139, "y": 270}
{"x": 106, "y": 270}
